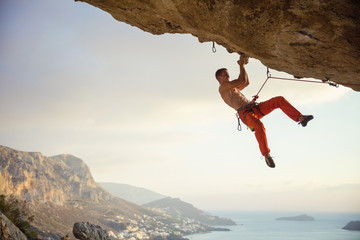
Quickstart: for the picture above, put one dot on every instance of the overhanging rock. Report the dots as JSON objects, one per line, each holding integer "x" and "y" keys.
{"x": 315, "y": 38}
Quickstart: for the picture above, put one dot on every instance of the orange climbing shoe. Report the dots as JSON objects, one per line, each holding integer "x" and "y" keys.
{"x": 306, "y": 119}
{"x": 269, "y": 161}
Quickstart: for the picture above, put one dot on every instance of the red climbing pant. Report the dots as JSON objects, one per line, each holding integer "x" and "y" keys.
{"x": 251, "y": 116}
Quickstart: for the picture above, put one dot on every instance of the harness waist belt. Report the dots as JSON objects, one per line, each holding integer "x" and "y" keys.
{"x": 245, "y": 106}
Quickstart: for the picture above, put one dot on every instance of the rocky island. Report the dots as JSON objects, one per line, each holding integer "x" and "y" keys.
{"x": 297, "y": 218}
{"x": 352, "y": 226}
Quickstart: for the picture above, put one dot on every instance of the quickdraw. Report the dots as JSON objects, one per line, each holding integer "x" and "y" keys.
{"x": 213, "y": 48}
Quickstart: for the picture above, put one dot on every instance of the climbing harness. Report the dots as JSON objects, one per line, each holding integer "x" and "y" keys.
{"x": 249, "y": 106}
{"x": 213, "y": 48}
{"x": 239, "y": 120}
{"x": 248, "y": 109}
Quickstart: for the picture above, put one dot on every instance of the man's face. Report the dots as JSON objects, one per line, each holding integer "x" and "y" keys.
{"x": 224, "y": 76}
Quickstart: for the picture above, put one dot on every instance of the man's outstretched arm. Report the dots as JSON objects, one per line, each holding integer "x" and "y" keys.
{"x": 242, "y": 81}
{"x": 243, "y": 78}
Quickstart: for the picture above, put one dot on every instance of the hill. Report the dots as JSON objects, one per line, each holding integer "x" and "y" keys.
{"x": 130, "y": 193}
{"x": 177, "y": 208}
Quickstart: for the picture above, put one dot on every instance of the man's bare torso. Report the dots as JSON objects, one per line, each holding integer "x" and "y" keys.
{"x": 232, "y": 97}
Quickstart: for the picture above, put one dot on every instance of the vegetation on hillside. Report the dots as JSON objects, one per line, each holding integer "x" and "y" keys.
{"x": 17, "y": 213}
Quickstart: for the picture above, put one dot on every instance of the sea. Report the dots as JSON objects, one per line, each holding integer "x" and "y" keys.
{"x": 264, "y": 226}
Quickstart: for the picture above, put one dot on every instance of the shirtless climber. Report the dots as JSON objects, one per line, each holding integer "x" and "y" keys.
{"x": 250, "y": 112}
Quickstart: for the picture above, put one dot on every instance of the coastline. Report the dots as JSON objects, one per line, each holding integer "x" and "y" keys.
{"x": 256, "y": 225}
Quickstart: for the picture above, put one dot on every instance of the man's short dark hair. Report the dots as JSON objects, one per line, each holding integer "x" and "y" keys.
{"x": 219, "y": 72}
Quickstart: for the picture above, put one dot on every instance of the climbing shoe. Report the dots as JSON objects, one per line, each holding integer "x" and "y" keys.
{"x": 306, "y": 119}
{"x": 269, "y": 161}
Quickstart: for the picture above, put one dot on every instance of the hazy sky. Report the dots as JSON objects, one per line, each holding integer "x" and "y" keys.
{"x": 145, "y": 110}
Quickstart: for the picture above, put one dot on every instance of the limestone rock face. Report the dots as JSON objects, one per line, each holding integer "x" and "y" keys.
{"x": 317, "y": 38}
{"x": 8, "y": 231}
{"x": 88, "y": 231}
{"x": 60, "y": 191}
{"x": 39, "y": 179}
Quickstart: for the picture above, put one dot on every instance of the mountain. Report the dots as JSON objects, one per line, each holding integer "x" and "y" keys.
{"x": 177, "y": 208}
{"x": 60, "y": 191}
{"x": 130, "y": 193}
{"x": 36, "y": 178}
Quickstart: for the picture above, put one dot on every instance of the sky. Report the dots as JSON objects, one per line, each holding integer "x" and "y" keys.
{"x": 144, "y": 110}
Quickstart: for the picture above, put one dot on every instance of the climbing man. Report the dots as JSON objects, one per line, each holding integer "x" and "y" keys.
{"x": 251, "y": 112}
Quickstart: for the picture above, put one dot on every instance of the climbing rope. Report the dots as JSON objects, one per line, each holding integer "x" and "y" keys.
{"x": 268, "y": 75}
{"x": 309, "y": 81}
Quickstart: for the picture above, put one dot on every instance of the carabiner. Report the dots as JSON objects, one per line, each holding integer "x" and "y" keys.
{"x": 268, "y": 74}
{"x": 213, "y": 48}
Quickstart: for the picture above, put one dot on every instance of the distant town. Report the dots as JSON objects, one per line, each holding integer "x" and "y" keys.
{"x": 147, "y": 227}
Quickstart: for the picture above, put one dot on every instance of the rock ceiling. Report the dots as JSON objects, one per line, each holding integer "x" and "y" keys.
{"x": 315, "y": 38}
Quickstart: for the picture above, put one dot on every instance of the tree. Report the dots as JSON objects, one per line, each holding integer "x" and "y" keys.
{"x": 17, "y": 213}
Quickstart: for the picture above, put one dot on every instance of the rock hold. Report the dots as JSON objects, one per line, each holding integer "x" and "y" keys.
{"x": 319, "y": 39}
{"x": 88, "y": 231}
